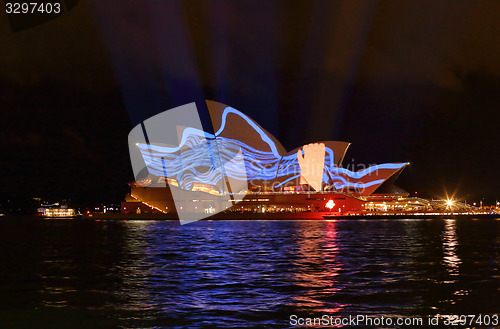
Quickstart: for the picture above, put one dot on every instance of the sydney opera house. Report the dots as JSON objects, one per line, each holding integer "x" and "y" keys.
{"x": 184, "y": 169}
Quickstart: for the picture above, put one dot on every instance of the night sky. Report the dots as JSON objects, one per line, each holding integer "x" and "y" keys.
{"x": 415, "y": 81}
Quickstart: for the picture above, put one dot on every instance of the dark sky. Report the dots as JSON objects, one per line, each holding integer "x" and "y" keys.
{"x": 415, "y": 81}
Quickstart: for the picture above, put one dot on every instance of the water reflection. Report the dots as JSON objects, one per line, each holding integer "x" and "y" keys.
{"x": 318, "y": 267}
{"x": 450, "y": 242}
{"x": 228, "y": 274}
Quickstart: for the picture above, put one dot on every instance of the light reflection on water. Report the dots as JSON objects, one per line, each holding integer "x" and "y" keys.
{"x": 450, "y": 243}
{"x": 243, "y": 273}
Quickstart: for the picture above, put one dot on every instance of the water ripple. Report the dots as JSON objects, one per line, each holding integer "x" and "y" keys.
{"x": 243, "y": 274}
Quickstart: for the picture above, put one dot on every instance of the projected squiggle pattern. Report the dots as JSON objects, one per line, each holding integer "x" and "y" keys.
{"x": 205, "y": 158}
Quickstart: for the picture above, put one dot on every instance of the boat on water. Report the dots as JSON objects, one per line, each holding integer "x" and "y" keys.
{"x": 57, "y": 211}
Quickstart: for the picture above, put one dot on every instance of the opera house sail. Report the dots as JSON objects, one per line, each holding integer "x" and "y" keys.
{"x": 182, "y": 169}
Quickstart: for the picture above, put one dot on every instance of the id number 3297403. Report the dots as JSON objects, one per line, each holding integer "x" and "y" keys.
{"x": 33, "y": 8}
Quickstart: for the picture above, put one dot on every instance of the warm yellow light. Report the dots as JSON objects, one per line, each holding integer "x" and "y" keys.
{"x": 449, "y": 202}
{"x": 330, "y": 204}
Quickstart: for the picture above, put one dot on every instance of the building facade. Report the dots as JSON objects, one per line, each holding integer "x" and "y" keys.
{"x": 243, "y": 168}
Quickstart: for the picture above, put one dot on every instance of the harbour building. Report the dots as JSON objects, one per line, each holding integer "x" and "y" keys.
{"x": 239, "y": 167}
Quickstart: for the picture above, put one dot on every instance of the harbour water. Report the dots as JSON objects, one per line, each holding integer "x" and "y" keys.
{"x": 243, "y": 274}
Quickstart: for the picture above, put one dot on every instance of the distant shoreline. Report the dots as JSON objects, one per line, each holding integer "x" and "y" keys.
{"x": 285, "y": 216}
